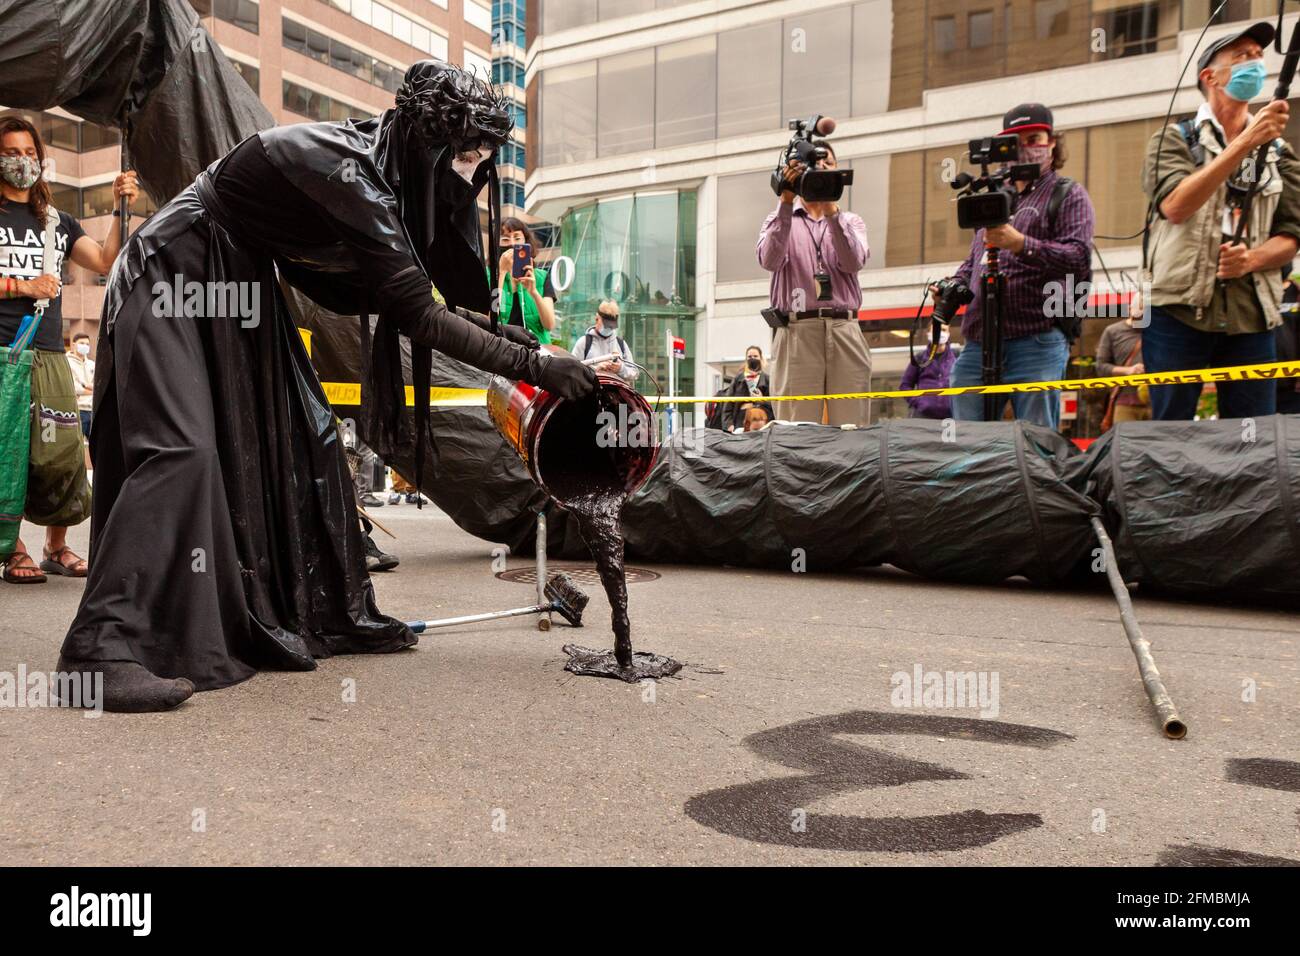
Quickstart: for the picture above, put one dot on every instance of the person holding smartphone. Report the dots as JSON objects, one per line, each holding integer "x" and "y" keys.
{"x": 527, "y": 295}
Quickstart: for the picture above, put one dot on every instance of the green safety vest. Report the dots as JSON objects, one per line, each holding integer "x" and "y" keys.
{"x": 532, "y": 320}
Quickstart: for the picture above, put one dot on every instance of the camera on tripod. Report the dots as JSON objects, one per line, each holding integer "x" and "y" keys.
{"x": 989, "y": 199}
{"x": 813, "y": 184}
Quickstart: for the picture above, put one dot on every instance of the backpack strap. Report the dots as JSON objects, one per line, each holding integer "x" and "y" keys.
{"x": 1192, "y": 137}
{"x": 1059, "y": 192}
{"x": 586, "y": 346}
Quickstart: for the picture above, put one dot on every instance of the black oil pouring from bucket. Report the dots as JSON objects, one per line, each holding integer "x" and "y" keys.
{"x": 588, "y": 463}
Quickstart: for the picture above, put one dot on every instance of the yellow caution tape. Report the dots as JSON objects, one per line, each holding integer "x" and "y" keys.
{"x": 340, "y": 393}
{"x": 1270, "y": 371}
{"x": 349, "y": 393}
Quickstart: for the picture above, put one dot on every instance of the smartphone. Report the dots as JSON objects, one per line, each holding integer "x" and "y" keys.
{"x": 522, "y": 260}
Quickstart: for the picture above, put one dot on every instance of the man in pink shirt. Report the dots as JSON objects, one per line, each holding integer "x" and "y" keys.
{"x": 815, "y": 251}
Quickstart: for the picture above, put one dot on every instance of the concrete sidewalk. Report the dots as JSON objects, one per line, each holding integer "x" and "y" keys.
{"x": 478, "y": 747}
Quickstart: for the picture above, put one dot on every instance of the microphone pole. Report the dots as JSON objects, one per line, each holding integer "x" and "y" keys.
{"x": 1281, "y": 92}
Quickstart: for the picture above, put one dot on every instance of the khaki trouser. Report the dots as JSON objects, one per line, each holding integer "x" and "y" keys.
{"x": 1132, "y": 413}
{"x": 821, "y": 356}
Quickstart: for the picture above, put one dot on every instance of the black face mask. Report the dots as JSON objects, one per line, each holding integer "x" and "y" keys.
{"x": 753, "y": 364}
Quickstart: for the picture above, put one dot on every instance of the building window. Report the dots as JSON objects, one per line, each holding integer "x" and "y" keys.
{"x": 612, "y": 9}
{"x": 314, "y": 44}
{"x": 568, "y": 114}
{"x": 749, "y": 99}
{"x": 1132, "y": 29}
{"x": 1051, "y": 18}
{"x": 625, "y": 122}
{"x": 66, "y": 199}
{"x": 242, "y": 13}
{"x": 317, "y": 106}
{"x": 744, "y": 203}
{"x": 99, "y": 201}
{"x": 563, "y": 14}
{"x": 59, "y": 131}
{"x": 251, "y": 75}
{"x": 815, "y": 68}
{"x": 873, "y": 29}
{"x": 980, "y": 27}
{"x": 386, "y": 20}
{"x": 945, "y": 34}
{"x": 94, "y": 136}
{"x": 685, "y": 92}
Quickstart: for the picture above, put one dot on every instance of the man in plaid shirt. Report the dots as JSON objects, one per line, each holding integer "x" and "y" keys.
{"x": 1036, "y": 256}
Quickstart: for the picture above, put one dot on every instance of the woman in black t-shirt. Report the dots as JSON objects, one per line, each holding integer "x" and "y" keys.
{"x": 58, "y": 494}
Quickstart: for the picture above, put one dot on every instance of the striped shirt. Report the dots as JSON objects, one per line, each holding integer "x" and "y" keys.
{"x": 1061, "y": 254}
{"x": 788, "y": 247}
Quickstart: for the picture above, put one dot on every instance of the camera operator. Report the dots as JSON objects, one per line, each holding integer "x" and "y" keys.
{"x": 1215, "y": 302}
{"x": 1045, "y": 242}
{"x": 815, "y": 251}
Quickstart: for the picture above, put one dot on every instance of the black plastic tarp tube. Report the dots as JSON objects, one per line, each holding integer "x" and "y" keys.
{"x": 148, "y": 65}
{"x": 1202, "y": 508}
{"x": 962, "y": 501}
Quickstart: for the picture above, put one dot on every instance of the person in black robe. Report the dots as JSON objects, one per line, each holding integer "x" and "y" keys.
{"x": 224, "y": 532}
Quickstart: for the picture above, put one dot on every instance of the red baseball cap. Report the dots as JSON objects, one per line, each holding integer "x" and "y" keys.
{"x": 1026, "y": 117}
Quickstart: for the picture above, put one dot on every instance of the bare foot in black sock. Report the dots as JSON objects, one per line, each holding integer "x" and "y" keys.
{"x": 130, "y": 688}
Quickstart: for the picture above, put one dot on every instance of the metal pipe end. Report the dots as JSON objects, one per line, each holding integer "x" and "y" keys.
{"x": 1174, "y": 728}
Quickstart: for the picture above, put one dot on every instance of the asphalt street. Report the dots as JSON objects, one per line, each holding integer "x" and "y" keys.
{"x": 791, "y": 737}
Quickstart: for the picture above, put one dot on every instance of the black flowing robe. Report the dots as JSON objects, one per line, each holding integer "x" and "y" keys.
{"x": 225, "y": 535}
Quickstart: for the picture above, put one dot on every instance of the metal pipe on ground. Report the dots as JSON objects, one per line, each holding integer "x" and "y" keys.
{"x": 1170, "y": 723}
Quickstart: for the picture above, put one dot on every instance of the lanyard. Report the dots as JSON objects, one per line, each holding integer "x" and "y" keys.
{"x": 817, "y": 243}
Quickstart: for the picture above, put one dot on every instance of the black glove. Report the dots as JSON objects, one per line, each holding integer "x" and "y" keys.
{"x": 514, "y": 333}
{"x": 566, "y": 376}
{"x": 405, "y": 301}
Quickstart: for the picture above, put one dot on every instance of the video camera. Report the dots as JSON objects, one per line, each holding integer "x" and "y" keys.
{"x": 813, "y": 185}
{"x": 989, "y": 199}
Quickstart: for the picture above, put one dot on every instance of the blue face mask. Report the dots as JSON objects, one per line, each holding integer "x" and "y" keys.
{"x": 1247, "y": 80}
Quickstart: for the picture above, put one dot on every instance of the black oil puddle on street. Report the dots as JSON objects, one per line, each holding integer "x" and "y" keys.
{"x": 772, "y": 811}
{"x": 590, "y": 481}
{"x": 645, "y": 665}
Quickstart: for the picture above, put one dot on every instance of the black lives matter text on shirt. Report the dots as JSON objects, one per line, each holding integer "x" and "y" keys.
{"x": 22, "y": 254}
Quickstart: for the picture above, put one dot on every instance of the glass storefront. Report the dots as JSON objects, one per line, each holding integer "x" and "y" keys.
{"x": 638, "y": 250}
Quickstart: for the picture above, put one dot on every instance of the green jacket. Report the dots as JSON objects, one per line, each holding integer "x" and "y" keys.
{"x": 1183, "y": 258}
{"x": 532, "y": 319}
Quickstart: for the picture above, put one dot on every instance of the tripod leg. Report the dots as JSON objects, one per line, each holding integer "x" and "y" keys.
{"x": 543, "y": 622}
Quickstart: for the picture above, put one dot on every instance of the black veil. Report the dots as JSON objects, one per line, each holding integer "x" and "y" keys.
{"x": 441, "y": 111}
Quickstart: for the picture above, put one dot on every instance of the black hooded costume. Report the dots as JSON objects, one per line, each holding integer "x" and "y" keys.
{"x": 224, "y": 533}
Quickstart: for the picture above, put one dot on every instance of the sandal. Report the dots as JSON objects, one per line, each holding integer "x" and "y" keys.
{"x": 54, "y": 563}
{"x": 21, "y": 561}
